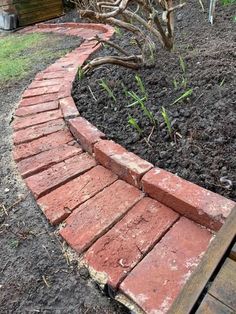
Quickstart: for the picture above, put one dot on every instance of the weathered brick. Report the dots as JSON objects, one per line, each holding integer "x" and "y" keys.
{"x": 65, "y": 90}
{"x": 99, "y": 213}
{"x": 47, "y": 106}
{"x": 51, "y": 75}
{"x": 157, "y": 280}
{"x": 37, "y": 131}
{"x": 44, "y": 160}
{"x": 46, "y": 83}
{"x": 38, "y": 99}
{"x": 121, "y": 248}
{"x": 85, "y": 133}
{"x": 47, "y": 180}
{"x": 126, "y": 165}
{"x": 41, "y": 91}
{"x": 42, "y": 144}
{"x": 58, "y": 204}
{"x": 68, "y": 108}
{"x": 203, "y": 206}
{"x": 24, "y": 122}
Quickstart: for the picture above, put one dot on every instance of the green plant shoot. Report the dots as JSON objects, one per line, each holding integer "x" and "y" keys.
{"x": 140, "y": 84}
{"x": 167, "y": 120}
{"x": 104, "y": 85}
{"x": 183, "y": 96}
{"x": 140, "y": 101}
{"x": 134, "y": 124}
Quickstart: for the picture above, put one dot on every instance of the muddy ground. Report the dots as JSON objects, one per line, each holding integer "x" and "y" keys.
{"x": 200, "y": 145}
{"x": 35, "y": 275}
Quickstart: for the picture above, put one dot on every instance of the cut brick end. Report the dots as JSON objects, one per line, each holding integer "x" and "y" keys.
{"x": 118, "y": 251}
{"x": 126, "y": 165}
{"x": 85, "y": 133}
{"x": 100, "y": 213}
{"x": 203, "y": 206}
{"x": 58, "y": 204}
{"x": 158, "y": 279}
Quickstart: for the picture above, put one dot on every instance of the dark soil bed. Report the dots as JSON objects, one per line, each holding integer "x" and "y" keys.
{"x": 203, "y": 142}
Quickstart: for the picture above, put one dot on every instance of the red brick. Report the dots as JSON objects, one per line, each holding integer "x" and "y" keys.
{"x": 37, "y": 131}
{"x": 38, "y": 99}
{"x": 65, "y": 90}
{"x": 44, "y": 160}
{"x": 57, "y": 175}
{"x": 126, "y": 165}
{"x": 22, "y": 123}
{"x": 46, "y": 83}
{"x": 119, "y": 250}
{"x": 41, "y": 91}
{"x": 85, "y": 133}
{"x": 97, "y": 215}
{"x": 190, "y": 200}
{"x": 68, "y": 108}
{"x": 158, "y": 279}
{"x": 42, "y": 144}
{"x": 51, "y": 75}
{"x": 47, "y": 106}
{"x": 58, "y": 204}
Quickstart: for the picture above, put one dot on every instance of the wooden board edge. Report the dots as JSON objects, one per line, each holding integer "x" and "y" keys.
{"x": 198, "y": 280}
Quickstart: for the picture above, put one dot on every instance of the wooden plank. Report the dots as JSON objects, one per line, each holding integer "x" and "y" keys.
{"x": 187, "y": 299}
{"x": 232, "y": 253}
{"x": 224, "y": 285}
{"x": 210, "y": 305}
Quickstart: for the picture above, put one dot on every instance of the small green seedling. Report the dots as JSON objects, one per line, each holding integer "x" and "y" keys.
{"x": 167, "y": 120}
{"x": 80, "y": 73}
{"x": 140, "y": 84}
{"x": 118, "y": 31}
{"x": 104, "y": 85}
{"x": 222, "y": 82}
{"x": 14, "y": 243}
{"x": 124, "y": 89}
{"x": 140, "y": 102}
{"x": 175, "y": 83}
{"x": 182, "y": 64}
{"x": 134, "y": 124}
{"x": 183, "y": 96}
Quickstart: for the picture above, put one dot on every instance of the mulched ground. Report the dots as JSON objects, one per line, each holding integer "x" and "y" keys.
{"x": 203, "y": 142}
{"x": 35, "y": 274}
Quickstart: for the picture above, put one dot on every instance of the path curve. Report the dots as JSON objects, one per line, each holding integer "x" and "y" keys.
{"x": 140, "y": 230}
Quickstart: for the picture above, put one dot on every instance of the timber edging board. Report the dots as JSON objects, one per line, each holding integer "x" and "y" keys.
{"x": 193, "y": 289}
{"x": 33, "y": 11}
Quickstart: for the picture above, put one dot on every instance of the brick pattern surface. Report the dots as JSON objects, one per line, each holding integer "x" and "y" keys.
{"x": 44, "y": 160}
{"x": 159, "y": 277}
{"x": 138, "y": 245}
{"x": 58, "y": 204}
{"x": 42, "y": 144}
{"x": 99, "y": 213}
{"x": 24, "y": 122}
{"x": 57, "y": 175}
{"x": 129, "y": 240}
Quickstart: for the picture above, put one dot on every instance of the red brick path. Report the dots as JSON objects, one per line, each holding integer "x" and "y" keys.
{"x": 142, "y": 230}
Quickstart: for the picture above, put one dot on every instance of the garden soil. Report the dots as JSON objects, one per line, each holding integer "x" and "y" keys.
{"x": 36, "y": 272}
{"x": 202, "y": 143}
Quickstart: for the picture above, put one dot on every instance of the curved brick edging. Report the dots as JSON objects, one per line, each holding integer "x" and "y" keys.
{"x": 121, "y": 213}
